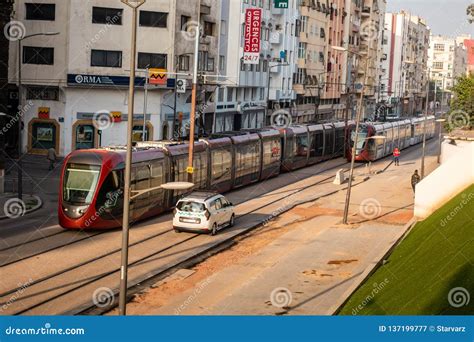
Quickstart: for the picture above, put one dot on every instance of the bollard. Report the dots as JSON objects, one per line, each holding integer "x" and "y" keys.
{"x": 340, "y": 177}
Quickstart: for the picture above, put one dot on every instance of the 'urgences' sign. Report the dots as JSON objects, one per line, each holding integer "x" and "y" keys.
{"x": 253, "y": 23}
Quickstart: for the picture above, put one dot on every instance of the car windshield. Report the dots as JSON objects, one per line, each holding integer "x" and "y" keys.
{"x": 80, "y": 182}
{"x": 191, "y": 207}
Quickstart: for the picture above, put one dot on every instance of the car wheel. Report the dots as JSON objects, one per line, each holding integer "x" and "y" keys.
{"x": 232, "y": 220}
{"x": 214, "y": 229}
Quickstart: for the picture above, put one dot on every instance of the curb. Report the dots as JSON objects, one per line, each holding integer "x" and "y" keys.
{"x": 335, "y": 309}
{"x": 38, "y": 206}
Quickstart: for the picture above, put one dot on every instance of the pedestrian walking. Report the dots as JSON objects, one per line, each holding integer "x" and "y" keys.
{"x": 396, "y": 156}
{"x": 415, "y": 179}
{"x": 51, "y": 156}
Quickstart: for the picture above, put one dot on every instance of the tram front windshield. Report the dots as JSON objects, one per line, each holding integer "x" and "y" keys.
{"x": 80, "y": 182}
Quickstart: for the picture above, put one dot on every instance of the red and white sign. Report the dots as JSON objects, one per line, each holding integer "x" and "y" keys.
{"x": 253, "y": 25}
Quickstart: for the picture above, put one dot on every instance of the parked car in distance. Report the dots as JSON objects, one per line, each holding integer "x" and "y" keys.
{"x": 203, "y": 212}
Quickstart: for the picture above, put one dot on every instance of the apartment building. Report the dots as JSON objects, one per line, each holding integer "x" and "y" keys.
{"x": 83, "y": 71}
{"x": 406, "y": 44}
{"x": 312, "y": 50}
{"x": 447, "y": 61}
{"x": 335, "y": 71}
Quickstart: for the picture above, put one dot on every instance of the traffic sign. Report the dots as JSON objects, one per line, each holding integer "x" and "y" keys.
{"x": 181, "y": 86}
{"x": 281, "y": 3}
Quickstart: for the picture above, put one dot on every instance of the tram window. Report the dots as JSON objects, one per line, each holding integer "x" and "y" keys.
{"x": 140, "y": 178}
{"x": 301, "y": 145}
{"x": 156, "y": 173}
{"x": 329, "y": 143}
{"x": 318, "y": 144}
{"x": 110, "y": 193}
{"x": 271, "y": 151}
{"x": 339, "y": 139}
{"x": 221, "y": 165}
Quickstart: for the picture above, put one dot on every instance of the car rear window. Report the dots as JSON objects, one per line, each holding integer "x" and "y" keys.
{"x": 191, "y": 207}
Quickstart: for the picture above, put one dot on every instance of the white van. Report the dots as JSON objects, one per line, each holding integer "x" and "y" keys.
{"x": 205, "y": 212}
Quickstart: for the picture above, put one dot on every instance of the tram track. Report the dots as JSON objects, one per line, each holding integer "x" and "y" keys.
{"x": 85, "y": 282}
{"x": 42, "y": 245}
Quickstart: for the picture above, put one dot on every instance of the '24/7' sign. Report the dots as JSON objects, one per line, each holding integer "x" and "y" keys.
{"x": 253, "y": 23}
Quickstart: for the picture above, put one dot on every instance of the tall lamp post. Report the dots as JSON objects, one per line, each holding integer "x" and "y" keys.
{"x": 356, "y": 138}
{"x": 20, "y": 61}
{"x": 424, "y": 124}
{"x": 134, "y": 5}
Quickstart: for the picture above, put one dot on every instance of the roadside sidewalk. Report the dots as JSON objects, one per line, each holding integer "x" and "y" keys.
{"x": 11, "y": 207}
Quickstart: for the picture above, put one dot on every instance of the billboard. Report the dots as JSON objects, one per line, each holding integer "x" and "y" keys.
{"x": 253, "y": 23}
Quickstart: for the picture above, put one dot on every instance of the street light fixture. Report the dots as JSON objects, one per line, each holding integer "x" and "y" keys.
{"x": 20, "y": 61}
{"x": 134, "y": 5}
{"x": 356, "y": 138}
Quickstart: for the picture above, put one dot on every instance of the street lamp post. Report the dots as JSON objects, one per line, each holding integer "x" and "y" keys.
{"x": 440, "y": 137}
{"x": 134, "y": 5}
{"x": 19, "y": 162}
{"x": 424, "y": 125}
{"x": 356, "y": 138}
{"x": 192, "y": 116}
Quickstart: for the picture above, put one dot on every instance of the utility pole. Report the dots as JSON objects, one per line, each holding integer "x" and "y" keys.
{"x": 134, "y": 5}
{"x": 192, "y": 118}
{"x": 145, "y": 105}
{"x": 424, "y": 125}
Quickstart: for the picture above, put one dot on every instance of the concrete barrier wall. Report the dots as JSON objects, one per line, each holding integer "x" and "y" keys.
{"x": 454, "y": 175}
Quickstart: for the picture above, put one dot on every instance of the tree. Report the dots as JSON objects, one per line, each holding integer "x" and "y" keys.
{"x": 470, "y": 13}
{"x": 462, "y": 105}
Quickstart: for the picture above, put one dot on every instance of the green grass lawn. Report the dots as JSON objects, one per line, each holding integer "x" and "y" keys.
{"x": 436, "y": 257}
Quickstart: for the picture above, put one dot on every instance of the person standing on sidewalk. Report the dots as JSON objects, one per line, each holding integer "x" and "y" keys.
{"x": 51, "y": 156}
{"x": 415, "y": 179}
{"x": 396, "y": 156}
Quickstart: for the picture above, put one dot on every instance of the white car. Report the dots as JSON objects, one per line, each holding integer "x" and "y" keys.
{"x": 205, "y": 212}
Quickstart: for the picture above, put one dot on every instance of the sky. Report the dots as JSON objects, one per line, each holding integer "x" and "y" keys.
{"x": 445, "y": 17}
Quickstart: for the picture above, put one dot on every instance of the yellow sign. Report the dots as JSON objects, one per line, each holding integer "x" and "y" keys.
{"x": 157, "y": 76}
{"x": 116, "y": 116}
{"x": 190, "y": 169}
{"x": 43, "y": 112}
